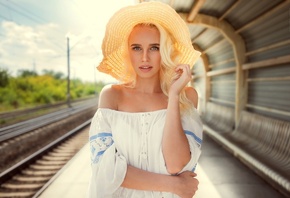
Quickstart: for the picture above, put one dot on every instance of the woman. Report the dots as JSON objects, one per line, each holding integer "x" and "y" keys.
{"x": 146, "y": 134}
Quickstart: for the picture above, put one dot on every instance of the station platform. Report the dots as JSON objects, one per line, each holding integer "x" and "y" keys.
{"x": 219, "y": 173}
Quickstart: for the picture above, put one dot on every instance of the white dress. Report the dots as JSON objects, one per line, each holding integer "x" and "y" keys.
{"x": 119, "y": 138}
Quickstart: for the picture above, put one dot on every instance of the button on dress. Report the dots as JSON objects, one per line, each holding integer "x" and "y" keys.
{"x": 120, "y": 138}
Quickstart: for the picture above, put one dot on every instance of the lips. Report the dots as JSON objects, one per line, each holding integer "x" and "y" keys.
{"x": 145, "y": 68}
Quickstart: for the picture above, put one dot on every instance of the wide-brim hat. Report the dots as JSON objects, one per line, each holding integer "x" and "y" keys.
{"x": 121, "y": 24}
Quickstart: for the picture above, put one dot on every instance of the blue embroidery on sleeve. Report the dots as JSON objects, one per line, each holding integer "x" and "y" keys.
{"x": 99, "y": 144}
{"x": 100, "y": 135}
{"x": 193, "y": 169}
{"x": 197, "y": 139}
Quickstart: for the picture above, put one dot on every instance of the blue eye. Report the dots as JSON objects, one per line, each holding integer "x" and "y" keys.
{"x": 155, "y": 48}
{"x": 136, "y": 48}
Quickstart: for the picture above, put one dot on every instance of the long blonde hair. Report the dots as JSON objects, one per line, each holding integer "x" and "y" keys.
{"x": 169, "y": 61}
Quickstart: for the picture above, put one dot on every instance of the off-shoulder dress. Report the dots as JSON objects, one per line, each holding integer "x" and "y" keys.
{"x": 120, "y": 138}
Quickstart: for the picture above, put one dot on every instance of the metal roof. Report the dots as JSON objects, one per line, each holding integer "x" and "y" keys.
{"x": 244, "y": 43}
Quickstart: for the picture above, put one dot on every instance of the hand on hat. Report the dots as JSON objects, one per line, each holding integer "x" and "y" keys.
{"x": 180, "y": 79}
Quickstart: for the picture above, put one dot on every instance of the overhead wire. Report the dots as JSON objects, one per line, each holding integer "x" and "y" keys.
{"x": 35, "y": 18}
{"x": 20, "y": 10}
{"x": 29, "y": 12}
{"x": 1, "y": 16}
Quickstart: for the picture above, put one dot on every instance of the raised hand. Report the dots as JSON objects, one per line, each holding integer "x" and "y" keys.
{"x": 181, "y": 78}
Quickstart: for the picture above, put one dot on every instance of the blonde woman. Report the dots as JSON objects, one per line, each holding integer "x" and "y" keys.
{"x": 146, "y": 134}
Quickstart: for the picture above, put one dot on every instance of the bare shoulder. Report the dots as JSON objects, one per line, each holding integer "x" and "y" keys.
{"x": 109, "y": 97}
{"x": 192, "y": 95}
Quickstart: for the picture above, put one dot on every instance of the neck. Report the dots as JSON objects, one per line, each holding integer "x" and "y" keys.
{"x": 148, "y": 85}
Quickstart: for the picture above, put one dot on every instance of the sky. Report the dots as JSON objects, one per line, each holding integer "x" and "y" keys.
{"x": 34, "y": 35}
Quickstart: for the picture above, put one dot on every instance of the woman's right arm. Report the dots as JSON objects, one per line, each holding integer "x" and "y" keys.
{"x": 183, "y": 185}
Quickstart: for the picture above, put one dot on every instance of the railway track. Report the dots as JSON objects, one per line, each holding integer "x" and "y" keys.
{"x": 20, "y": 115}
{"x": 23, "y": 127}
{"x": 26, "y": 178}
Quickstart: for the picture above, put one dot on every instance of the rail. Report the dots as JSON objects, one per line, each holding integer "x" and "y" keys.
{"x": 20, "y": 128}
{"x": 27, "y": 162}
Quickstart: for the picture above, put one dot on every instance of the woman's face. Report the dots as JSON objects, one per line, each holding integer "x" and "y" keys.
{"x": 144, "y": 44}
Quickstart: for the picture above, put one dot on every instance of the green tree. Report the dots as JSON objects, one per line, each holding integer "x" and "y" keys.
{"x": 56, "y": 75}
{"x": 26, "y": 73}
{"x": 29, "y": 89}
{"x": 4, "y": 77}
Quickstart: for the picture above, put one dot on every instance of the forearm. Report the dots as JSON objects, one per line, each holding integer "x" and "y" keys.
{"x": 139, "y": 179}
{"x": 175, "y": 145}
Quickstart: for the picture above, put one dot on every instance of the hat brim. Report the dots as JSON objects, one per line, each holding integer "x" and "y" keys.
{"x": 121, "y": 24}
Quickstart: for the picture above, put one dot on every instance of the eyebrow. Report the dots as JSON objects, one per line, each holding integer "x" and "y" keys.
{"x": 152, "y": 44}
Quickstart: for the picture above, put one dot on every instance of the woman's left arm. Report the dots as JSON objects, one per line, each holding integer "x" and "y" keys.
{"x": 175, "y": 145}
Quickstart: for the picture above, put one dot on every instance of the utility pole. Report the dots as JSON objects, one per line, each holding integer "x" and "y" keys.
{"x": 95, "y": 82}
{"x": 68, "y": 75}
{"x": 34, "y": 66}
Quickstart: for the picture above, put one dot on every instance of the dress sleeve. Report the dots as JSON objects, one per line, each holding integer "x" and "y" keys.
{"x": 193, "y": 128}
{"x": 108, "y": 166}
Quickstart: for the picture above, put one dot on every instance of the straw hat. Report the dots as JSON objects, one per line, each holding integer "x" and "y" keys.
{"x": 121, "y": 24}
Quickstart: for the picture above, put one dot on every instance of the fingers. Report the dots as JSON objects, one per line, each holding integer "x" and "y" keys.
{"x": 189, "y": 184}
{"x": 180, "y": 78}
{"x": 189, "y": 173}
{"x": 182, "y": 66}
{"x": 183, "y": 70}
{"x": 193, "y": 174}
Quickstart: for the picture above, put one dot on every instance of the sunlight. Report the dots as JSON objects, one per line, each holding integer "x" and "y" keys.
{"x": 205, "y": 187}
{"x": 97, "y": 13}
{"x": 94, "y": 15}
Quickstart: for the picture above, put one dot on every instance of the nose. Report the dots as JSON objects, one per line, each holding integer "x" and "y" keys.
{"x": 145, "y": 57}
